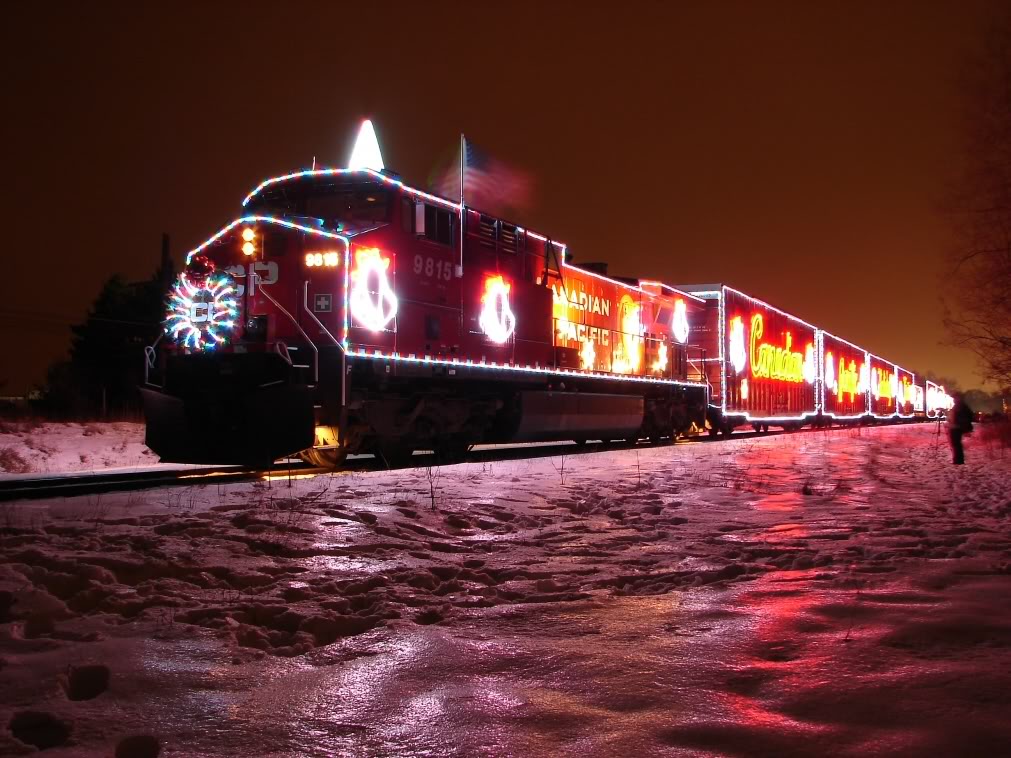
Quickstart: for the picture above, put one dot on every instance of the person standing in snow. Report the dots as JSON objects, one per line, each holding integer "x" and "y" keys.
{"x": 959, "y": 424}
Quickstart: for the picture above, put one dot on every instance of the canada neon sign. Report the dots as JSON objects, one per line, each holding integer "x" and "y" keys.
{"x": 769, "y": 361}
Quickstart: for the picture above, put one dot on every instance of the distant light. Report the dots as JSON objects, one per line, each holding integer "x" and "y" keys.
{"x": 366, "y": 153}
{"x": 248, "y": 235}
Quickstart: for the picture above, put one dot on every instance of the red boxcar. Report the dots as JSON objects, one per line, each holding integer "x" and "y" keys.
{"x": 845, "y": 378}
{"x": 766, "y": 368}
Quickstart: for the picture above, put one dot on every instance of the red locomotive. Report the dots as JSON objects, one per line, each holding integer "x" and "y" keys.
{"x": 347, "y": 312}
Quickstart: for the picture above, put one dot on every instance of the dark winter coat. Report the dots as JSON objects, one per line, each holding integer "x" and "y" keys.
{"x": 960, "y": 417}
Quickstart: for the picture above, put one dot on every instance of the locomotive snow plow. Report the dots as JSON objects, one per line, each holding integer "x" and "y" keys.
{"x": 216, "y": 410}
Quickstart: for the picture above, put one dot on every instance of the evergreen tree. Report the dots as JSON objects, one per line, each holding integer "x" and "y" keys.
{"x": 107, "y": 350}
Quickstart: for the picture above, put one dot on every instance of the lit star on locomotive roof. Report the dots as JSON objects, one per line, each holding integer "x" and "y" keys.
{"x": 366, "y": 153}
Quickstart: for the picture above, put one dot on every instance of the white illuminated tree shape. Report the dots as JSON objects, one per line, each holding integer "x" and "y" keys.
{"x": 679, "y": 325}
{"x": 372, "y": 302}
{"x": 366, "y": 153}
{"x": 830, "y": 380}
{"x": 810, "y": 369}
{"x": 497, "y": 319}
{"x": 738, "y": 354}
{"x": 865, "y": 378}
{"x": 588, "y": 355}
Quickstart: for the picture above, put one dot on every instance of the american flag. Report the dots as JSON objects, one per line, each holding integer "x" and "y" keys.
{"x": 487, "y": 183}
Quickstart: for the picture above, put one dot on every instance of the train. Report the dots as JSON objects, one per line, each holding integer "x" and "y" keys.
{"x": 344, "y": 311}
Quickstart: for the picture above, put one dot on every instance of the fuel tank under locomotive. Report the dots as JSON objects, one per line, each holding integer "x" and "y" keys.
{"x": 234, "y": 408}
{"x": 546, "y": 416}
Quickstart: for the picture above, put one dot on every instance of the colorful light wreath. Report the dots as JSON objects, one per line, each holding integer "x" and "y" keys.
{"x": 202, "y": 307}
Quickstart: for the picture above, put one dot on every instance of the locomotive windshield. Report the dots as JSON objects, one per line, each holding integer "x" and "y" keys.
{"x": 355, "y": 207}
{"x": 338, "y": 203}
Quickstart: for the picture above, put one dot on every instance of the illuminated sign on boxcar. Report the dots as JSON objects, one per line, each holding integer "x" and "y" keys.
{"x": 844, "y": 394}
{"x": 771, "y": 360}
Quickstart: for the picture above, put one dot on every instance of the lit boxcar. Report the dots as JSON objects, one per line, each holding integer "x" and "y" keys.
{"x": 891, "y": 390}
{"x": 909, "y": 395}
{"x": 937, "y": 401}
{"x": 766, "y": 369}
{"x": 844, "y": 379}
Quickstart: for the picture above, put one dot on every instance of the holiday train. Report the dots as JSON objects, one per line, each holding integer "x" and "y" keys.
{"x": 346, "y": 312}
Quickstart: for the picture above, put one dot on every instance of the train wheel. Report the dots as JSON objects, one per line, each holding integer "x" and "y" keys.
{"x": 714, "y": 431}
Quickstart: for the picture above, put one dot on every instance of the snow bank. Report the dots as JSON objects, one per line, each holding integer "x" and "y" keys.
{"x": 50, "y": 448}
{"x": 843, "y": 593}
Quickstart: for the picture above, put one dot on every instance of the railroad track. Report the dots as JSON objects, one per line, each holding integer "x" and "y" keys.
{"x": 69, "y": 485}
{"x": 23, "y": 488}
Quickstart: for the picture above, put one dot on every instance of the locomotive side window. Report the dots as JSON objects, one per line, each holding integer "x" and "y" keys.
{"x": 274, "y": 245}
{"x": 438, "y": 224}
{"x": 407, "y": 215}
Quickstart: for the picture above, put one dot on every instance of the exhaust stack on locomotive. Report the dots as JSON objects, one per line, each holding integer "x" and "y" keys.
{"x": 345, "y": 312}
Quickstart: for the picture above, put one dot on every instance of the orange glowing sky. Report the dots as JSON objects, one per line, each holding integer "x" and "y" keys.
{"x": 801, "y": 152}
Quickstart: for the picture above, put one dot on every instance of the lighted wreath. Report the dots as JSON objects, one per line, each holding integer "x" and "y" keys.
{"x": 202, "y": 307}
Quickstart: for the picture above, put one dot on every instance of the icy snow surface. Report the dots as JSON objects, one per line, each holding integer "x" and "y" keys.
{"x": 54, "y": 448}
{"x": 833, "y": 593}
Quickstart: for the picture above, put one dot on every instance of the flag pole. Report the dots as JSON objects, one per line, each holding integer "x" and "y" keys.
{"x": 463, "y": 208}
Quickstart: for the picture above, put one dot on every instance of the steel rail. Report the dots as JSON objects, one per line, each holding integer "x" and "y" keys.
{"x": 70, "y": 485}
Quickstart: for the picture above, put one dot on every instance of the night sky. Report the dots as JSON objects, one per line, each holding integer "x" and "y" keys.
{"x": 803, "y": 154}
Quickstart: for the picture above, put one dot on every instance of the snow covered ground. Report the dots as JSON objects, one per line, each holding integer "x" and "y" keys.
{"x": 52, "y": 447}
{"x": 833, "y": 593}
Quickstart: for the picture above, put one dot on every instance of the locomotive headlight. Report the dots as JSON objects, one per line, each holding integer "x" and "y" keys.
{"x": 248, "y": 243}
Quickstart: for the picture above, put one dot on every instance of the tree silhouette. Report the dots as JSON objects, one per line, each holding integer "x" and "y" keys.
{"x": 107, "y": 349}
{"x": 977, "y": 297}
